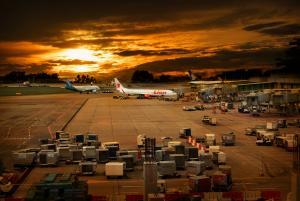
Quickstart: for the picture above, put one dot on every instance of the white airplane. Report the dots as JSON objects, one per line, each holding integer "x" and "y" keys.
{"x": 81, "y": 89}
{"x": 143, "y": 92}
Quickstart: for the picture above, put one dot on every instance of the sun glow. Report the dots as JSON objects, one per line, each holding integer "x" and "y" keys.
{"x": 80, "y": 54}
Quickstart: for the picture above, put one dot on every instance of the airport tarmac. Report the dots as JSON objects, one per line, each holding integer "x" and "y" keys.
{"x": 25, "y": 119}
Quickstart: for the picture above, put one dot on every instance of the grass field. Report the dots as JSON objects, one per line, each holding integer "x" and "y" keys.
{"x": 16, "y": 91}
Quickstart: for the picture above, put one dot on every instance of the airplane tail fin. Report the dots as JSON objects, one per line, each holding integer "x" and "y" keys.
{"x": 69, "y": 85}
{"x": 192, "y": 76}
{"x": 119, "y": 86}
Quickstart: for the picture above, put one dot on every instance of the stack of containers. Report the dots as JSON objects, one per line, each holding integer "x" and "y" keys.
{"x": 24, "y": 158}
{"x": 76, "y": 155}
{"x": 220, "y": 182}
{"x": 64, "y": 152}
{"x": 89, "y": 152}
{"x": 200, "y": 184}
{"x": 102, "y": 155}
{"x": 179, "y": 160}
{"x": 128, "y": 160}
{"x": 166, "y": 168}
{"x": 179, "y": 149}
{"x": 207, "y": 158}
{"x": 191, "y": 153}
{"x": 166, "y": 140}
{"x": 47, "y": 158}
{"x": 195, "y": 167}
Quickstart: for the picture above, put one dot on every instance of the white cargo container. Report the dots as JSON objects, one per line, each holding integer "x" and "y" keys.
{"x": 272, "y": 125}
{"x": 89, "y": 152}
{"x": 213, "y": 149}
{"x": 210, "y": 139}
{"x": 213, "y": 121}
{"x": 195, "y": 167}
{"x": 221, "y": 158}
{"x": 23, "y": 158}
{"x": 114, "y": 169}
{"x": 105, "y": 145}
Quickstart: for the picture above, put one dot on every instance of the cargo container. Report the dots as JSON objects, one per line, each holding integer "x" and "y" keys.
{"x": 87, "y": 167}
{"x": 89, "y": 152}
{"x": 171, "y": 144}
{"x": 219, "y": 179}
{"x": 185, "y": 132}
{"x": 210, "y": 139}
{"x": 102, "y": 155}
{"x": 280, "y": 141}
{"x": 109, "y": 144}
{"x": 289, "y": 145}
{"x": 179, "y": 160}
{"x": 272, "y": 126}
{"x": 228, "y": 139}
{"x": 45, "y": 141}
{"x": 179, "y": 149}
{"x": 207, "y": 158}
{"x": 219, "y": 157}
{"x": 24, "y": 158}
{"x": 213, "y": 121}
{"x": 128, "y": 160}
{"x": 166, "y": 140}
{"x": 140, "y": 140}
{"x": 112, "y": 152}
{"x": 226, "y": 169}
{"x": 191, "y": 152}
{"x": 57, "y": 134}
{"x": 48, "y": 147}
{"x": 114, "y": 169}
{"x": 64, "y": 153}
{"x": 47, "y": 158}
{"x": 195, "y": 167}
{"x": 200, "y": 184}
{"x": 76, "y": 155}
{"x": 166, "y": 168}
{"x": 92, "y": 140}
{"x": 79, "y": 138}
{"x": 161, "y": 155}
{"x": 213, "y": 149}
{"x": 121, "y": 153}
{"x": 134, "y": 153}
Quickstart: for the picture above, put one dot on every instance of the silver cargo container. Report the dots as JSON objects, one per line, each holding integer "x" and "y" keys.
{"x": 166, "y": 168}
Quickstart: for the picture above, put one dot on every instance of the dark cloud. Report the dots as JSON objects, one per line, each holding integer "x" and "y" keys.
{"x": 37, "y": 20}
{"x": 289, "y": 29}
{"x": 28, "y": 68}
{"x": 71, "y": 62}
{"x": 153, "y": 52}
{"x": 278, "y": 28}
{"x": 223, "y": 59}
{"x": 260, "y": 26}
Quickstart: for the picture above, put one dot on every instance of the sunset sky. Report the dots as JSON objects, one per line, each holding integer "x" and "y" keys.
{"x": 116, "y": 37}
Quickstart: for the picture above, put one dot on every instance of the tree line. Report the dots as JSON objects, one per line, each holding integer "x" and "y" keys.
{"x": 21, "y": 76}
